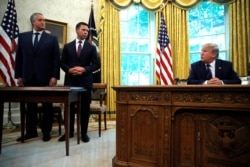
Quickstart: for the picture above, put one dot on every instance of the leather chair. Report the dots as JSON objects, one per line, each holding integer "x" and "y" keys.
{"x": 98, "y": 103}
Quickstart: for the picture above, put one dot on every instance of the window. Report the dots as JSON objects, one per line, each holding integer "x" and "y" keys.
{"x": 207, "y": 24}
{"x": 137, "y": 46}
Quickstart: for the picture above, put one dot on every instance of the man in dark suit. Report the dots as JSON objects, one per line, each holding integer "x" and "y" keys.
{"x": 210, "y": 70}
{"x": 78, "y": 61}
{"x": 37, "y": 64}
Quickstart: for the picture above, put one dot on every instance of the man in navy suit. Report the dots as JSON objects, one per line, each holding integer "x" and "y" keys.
{"x": 79, "y": 59}
{"x": 210, "y": 70}
{"x": 37, "y": 64}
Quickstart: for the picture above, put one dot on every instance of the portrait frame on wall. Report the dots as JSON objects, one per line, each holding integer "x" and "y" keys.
{"x": 59, "y": 29}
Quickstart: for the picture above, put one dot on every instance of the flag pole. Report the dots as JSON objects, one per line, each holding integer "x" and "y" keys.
{"x": 10, "y": 124}
{"x": 9, "y": 34}
{"x": 90, "y": 32}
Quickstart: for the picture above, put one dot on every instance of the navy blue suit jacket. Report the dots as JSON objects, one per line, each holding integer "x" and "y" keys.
{"x": 87, "y": 59}
{"x": 43, "y": 62}
{"x": 223, "y": 70}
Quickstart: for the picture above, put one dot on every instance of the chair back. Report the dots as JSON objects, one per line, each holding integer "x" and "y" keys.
{"x": 98, "y": 103}
{"x": 99, "y": 93}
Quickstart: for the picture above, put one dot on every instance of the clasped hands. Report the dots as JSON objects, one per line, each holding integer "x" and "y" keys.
{"x": 77, "y": 70}
{"x": 214, "y": 81}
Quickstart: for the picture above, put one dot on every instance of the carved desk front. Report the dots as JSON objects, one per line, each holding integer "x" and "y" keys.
{"x": 182, "y": 125}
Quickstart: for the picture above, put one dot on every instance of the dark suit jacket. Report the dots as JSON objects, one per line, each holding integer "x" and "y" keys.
{"x": 223, "y": 70}
{"x": 43, "y": 62}
{"x": 87, "y": 59}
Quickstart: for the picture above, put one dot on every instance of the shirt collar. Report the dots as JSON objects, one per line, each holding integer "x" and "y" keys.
{"x": 77, "y": 40}
{"x": 40, "y": 32}
{"x": 212, "y": 64}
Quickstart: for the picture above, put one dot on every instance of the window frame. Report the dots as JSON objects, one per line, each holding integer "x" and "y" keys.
{"x": 226, "y": 38}
{"x": 151, "y": 52}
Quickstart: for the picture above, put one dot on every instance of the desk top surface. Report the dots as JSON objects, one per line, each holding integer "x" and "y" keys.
{"x": 183, "y": 88}
{"x": 44, "y": 89}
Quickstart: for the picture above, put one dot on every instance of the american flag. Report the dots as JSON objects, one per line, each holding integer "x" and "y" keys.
{"x": 8, "y": 43}
{"x": 164, "y": 69}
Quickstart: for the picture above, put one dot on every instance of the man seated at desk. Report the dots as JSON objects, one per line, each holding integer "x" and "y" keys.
{"x": 210, "y": 70}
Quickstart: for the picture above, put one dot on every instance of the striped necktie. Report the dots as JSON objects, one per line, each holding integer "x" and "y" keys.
{"x": 79, "y": 48}
{"x": 209, "y": 73}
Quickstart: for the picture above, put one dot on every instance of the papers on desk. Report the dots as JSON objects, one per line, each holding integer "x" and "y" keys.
{"x": 80, "y": 89}
{"x": 76, "y": 88}
{"x": 245, "y": 80}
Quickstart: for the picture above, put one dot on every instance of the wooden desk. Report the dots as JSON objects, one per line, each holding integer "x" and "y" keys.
{"x": 182, "y": 125}
{"x": 64, "y": 95}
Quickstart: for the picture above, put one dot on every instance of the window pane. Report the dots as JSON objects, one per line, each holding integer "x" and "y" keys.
{"x": 136, "y": 43}
{"x": 194, "y": 57}
{"x": 207, "y": 24}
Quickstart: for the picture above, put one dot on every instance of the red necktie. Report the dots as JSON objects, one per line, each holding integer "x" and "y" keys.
{"x": 79, "y": 48}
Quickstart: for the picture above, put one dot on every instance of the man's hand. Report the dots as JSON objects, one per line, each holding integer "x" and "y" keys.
{"x": 215, "y": 81}
{"x": 77, "y": 70}
{"x": 53, "y": 81}
{"x": 20, "y": 82}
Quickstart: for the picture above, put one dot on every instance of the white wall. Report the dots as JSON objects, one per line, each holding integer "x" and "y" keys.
{"x": 68, "y": 11}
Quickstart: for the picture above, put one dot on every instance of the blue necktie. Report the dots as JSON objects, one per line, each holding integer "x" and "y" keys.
{"x": 36, "y": 39}
{"x": 209, "y": 73}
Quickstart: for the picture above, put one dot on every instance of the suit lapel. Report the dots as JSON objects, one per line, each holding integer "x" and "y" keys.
{"x": 29, "y": 38}
{"x": 41, "y": 40}
{"x": 218, "y": 69}
{"x": 73, "y": 49}
{"x": 84, "y": 48}
{"x": 203, "y": 70}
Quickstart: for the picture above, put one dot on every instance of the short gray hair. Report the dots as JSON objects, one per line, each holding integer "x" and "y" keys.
{"x": 33, "y": 17}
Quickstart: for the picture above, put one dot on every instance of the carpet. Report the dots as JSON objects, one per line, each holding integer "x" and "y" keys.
{"x": 11, "y": 134}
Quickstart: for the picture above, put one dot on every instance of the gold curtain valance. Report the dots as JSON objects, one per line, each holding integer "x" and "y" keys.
{"x": 188, "y": 4}
{"x": 154, "y": 5}
{"x": 151, "y": 5}
{"x": 121, "y": 4}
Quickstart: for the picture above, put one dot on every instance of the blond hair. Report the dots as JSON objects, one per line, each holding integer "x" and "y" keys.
{"x": 214, "y": 48}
